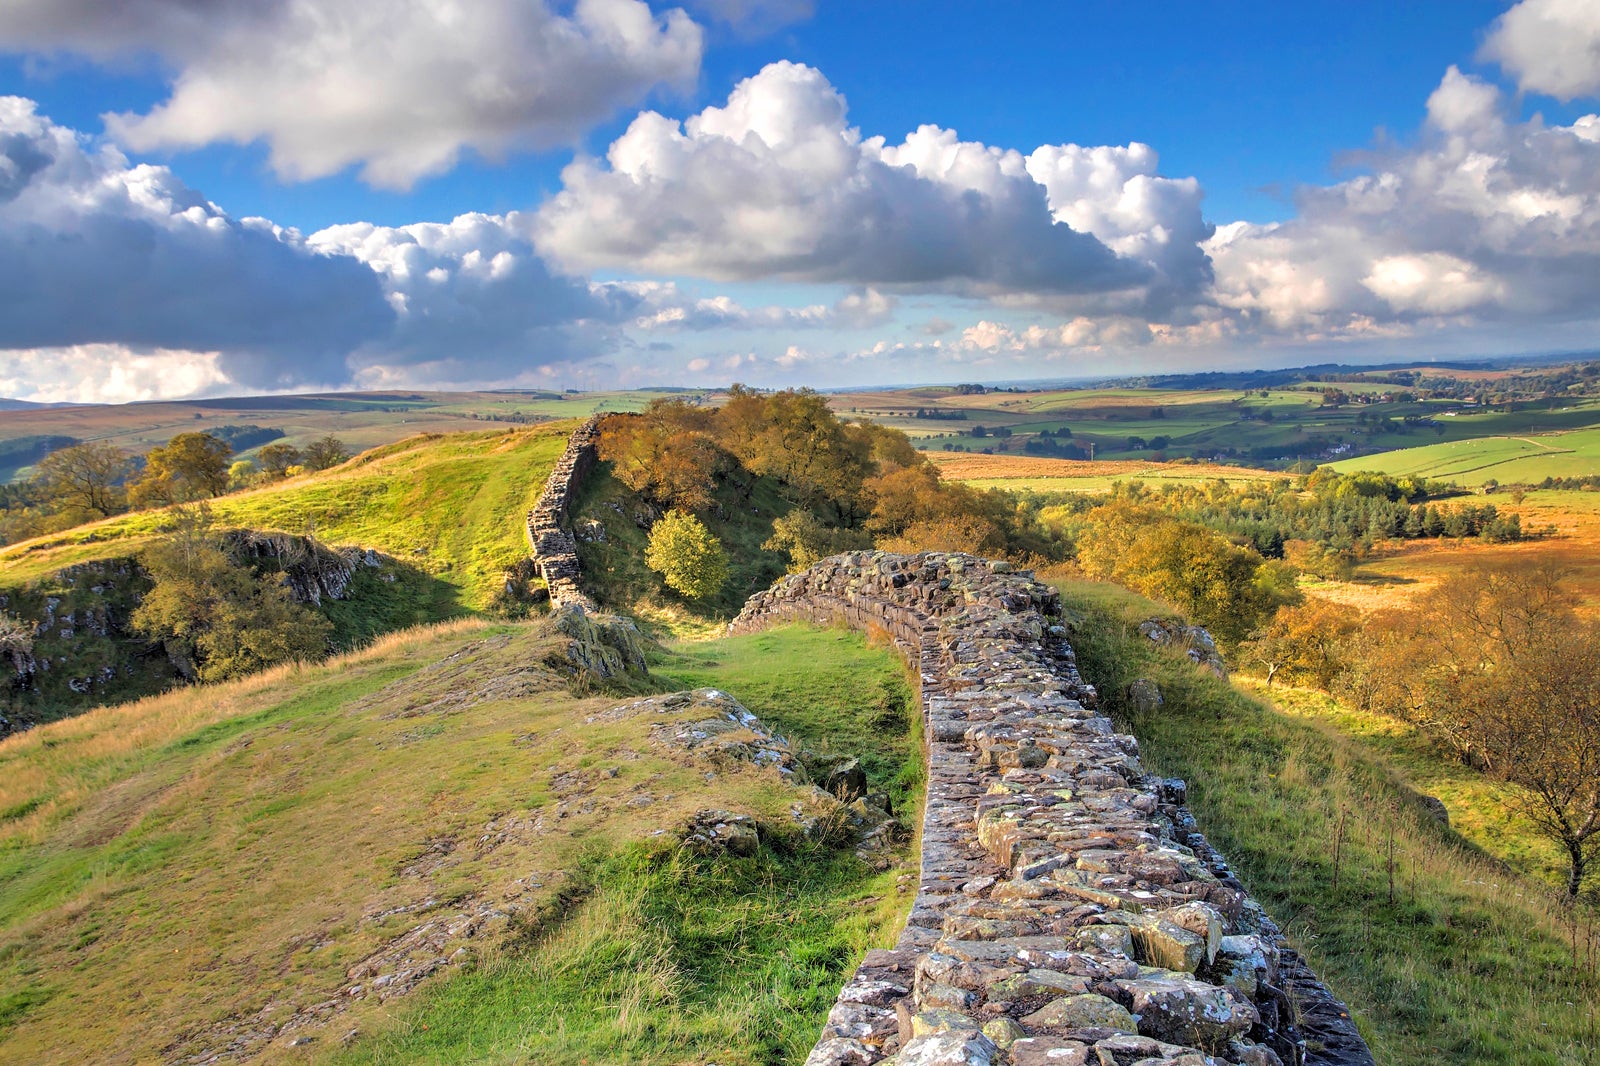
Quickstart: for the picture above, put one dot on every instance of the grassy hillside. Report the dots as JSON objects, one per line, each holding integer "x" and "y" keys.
{"x": 451, "y": 506}
{"x": 262, "y": 865}
{"x": 1444, "y": 954}
{"x": 1525, "y": 460}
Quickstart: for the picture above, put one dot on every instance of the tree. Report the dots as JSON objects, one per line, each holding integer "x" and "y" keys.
{"x": 687, "y": 555}
{"x": 215, "y": 618}
{"x": 1513, "y": 682}
{"x": 190, "y": 466}
{"x": 1306, "y": 643}
{"x": 801, "y": 536}
{"x": 276, "y": 459}
{"x": 1216, "y": 583}
{"x": 324, "y": 452}
{"x": 85, "y": 479}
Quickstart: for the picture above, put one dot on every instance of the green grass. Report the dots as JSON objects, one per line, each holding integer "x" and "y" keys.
{"x": 1508, "y": 460}
{"x": 1464, "y": 964}
{"x": 174, "y": 872}
{"x": 777, "y": 669}
{"x": 450, "y": 507}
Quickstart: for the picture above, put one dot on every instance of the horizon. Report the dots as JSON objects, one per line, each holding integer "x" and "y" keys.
{"x": 307, "y": 196}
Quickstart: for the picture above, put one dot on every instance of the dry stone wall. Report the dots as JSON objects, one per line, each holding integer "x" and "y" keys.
{"x": 1067, "y": 912}
{"x": 555, "y": 550}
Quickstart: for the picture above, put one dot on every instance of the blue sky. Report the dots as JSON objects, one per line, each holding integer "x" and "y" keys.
{"x": 1335, "y": 181}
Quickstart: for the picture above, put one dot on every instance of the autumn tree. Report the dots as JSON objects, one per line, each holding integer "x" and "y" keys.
{"x": 85, "y": 479}
{"x": 1306, "y": 644}
{"x": 806, "y": 540}
{"x": 324, "y": 452}
{"x": 217, "y": 619}
{"x": 190, "y": 466}
{"x": 1513, "y": 680}
{"x": 687, "y": 555}
{"x": 276, "y": 459}
{"x": 1225, "y": 587}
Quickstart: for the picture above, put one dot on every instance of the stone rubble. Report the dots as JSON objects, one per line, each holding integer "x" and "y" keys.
{"x": 1067, "y": 911}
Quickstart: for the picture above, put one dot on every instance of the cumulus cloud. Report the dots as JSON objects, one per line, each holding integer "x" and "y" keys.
{"x": 776, "y": 184}
{"x": 473, "y": 302}
{"x": 94, "y": 251}
{"x": 400, "y": 88}
{"x": 1485, "y": 218}
{"x": 109, "y": 373}
{"x": 1549, "y": 46}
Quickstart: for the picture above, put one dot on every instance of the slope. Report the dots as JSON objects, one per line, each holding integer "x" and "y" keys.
{"x": 265, "y": 869}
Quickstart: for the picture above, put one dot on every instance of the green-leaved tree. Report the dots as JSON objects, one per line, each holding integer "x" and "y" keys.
{"x": 687, "y": 555}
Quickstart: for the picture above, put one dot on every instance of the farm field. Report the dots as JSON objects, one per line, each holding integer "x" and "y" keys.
{"x": 1031, "y": 473}
{"x": 1525, "y": 460}
{"x": 1278, "y": 426}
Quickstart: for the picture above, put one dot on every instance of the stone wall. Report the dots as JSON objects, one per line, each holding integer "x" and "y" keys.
{"x": 1067, "y": 910}
{"x": 555, "y": 551}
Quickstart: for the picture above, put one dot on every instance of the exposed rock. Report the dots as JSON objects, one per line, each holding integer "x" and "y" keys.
{"x": 1195, "y": 642}
{"x": 1435, "y": 808}
{"x": 1144, "y": 695}
{"x": 710, "y": 831}
{"x": 604, "y": 645}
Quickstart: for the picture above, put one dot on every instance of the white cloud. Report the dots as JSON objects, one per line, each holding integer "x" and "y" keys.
{"x": 667, "y": 308}
{"x": 776, "y": 184}
{"x": 94, "y": 251}
{"x": 1549, "y": 46}
{"x": 400, "y": 88}
{"x": 1483, "y": 219}
{"x": 109, "y": 373}
{"x": 473, "y": 302}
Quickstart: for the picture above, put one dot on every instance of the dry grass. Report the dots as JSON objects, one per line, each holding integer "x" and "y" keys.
{"x": 1074, "y": 475}
{"x": 1399, "y": 572}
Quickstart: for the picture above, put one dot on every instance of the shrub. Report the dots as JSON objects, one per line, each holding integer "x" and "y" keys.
{"x": 687, "y": 556}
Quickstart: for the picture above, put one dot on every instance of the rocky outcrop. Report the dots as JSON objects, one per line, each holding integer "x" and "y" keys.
{"x": 555, "y": 550}
{"x": 1067, "y": 910}
{"x": 312, "y": 570}
{"x": 1193, "y": 641}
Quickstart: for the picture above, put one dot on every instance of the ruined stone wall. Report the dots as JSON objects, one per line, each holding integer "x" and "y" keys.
{"x": 555, "y": 551}
{"x": 1067, "y": 910}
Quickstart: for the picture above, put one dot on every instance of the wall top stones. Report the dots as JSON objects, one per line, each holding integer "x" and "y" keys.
{"x": 1067, "y": 911}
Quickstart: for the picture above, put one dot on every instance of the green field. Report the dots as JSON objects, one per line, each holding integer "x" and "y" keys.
{"x": 362, "y": 420}
{"x": 1505, "y": 459}
{"x": 1281, "y": 426}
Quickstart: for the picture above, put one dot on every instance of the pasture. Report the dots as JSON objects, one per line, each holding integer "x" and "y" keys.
{"x": 1505, "y": 459}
